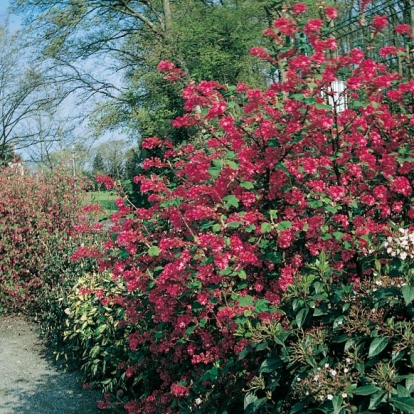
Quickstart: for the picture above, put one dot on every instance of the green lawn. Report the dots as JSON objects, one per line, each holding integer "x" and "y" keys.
{"x": 106, "y": 199}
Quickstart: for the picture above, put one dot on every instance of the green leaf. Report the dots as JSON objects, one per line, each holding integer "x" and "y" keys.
{"x": 375, "y": 399}
{"x": 245, "y": 300}
{"x": 234, "y": 224}
{"x": 271, "y": 364}
{"x": 337, "y": 401}
{"x": 247, "y": 185}
{"x": 377, "y": 346}
{"x": 231, "y": 201}
{"x": 405, "y": 404}
{"x": 266, "y": 227}
{"x": 261, "y": 305}
{"x": 323, "y": 106}
{"x": 402, "y": 392}
{"x": 366, "y": 390}
{"x": 299, "y": 407}
{"x": 233, "y": 165}
{"x": 154, "y": 251}
{"x": 245, "y": 351}
{"x": 301, "y": 317}
{"x": 409, "y": 383}
{"x": 338, "y": 235}
{"x": 242, "y": 274}
{"x": 214, "y": 172}
{"x": 216, "y": 228}
{"x": 359, "y": 104}
{"x": 284, "y": 225}
{"x": 408, "y": 293}
{"x": 298, "y": 97}
{"x": 252, "y": 403}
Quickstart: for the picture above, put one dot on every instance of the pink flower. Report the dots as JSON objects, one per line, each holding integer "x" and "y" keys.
{"x": 312, "y": 26}
{"x": 108, "y": 182}
{"x": 298, "y": 8}
{"x": 331, "y": 13}
{"x": 179, "y": 390}
{"x": 285, "y": 26}
{"x": 357, "y": 55}
{"x": 404, "y": 29}
{"x": 379, "y": 23}
{"x": 151, "y": 142}
{"x": 402, "y": 186}
{"x": 165, "y": 66}
{"x": 335, "y": 192}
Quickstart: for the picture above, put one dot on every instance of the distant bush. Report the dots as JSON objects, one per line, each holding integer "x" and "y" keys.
{"x": 43, "y": 221}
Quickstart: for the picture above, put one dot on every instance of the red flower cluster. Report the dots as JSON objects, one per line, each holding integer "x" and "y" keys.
{"x": 284, "y": 176}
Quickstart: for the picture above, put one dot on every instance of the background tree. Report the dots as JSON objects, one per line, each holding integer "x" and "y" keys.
{"x": 110, "y": 158}
{"x": 131, "y": 37}
{"x": 27, "y": 92}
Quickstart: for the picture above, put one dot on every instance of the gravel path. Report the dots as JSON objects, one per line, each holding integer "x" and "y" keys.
{"x": 29, "y": 383}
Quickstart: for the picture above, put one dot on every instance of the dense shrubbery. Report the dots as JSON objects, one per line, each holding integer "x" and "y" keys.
{"x": 94, "y": 336}
{"x": 340, "y": 348}
{"x": 272, "y": 255}
{"x": 284, "y": 179}
{"x": 43, "y": 221}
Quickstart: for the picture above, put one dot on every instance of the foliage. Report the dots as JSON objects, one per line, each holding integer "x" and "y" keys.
{"x": 94, "y": 336}
{"x": 284, "y": 176}
{"x": 42, "y": 222}
{"x": 130, "y": 38}
{"x": 340, "y": 348}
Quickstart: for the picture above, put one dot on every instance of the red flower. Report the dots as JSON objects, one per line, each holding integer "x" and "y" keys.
{"x": 286, "y": 26}
{"x": 379, "y": 23}
{"x": 298, "y": 8}
{"x": 402, "y": 186}
{"x": 108, "y": 182}
{"x": 404, "y": 29}
{"x": 313, "y": 26}
{"x": 331, "y": 13}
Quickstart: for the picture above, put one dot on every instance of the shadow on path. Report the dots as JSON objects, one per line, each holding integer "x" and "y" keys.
{"x": 29, "y": 383}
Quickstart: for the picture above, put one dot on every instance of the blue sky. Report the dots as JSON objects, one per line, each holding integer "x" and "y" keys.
{"x": 14, "y": 21}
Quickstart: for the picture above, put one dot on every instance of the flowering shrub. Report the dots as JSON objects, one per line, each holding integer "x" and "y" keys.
{"x": 347, "y": 348}
{"x": 42, "y": 223}
{"x": 283, "y": 177}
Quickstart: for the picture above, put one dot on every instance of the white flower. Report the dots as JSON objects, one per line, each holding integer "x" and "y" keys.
{"x": 329, "y": 397}
{"x": 316, "y": 378}
{"x": 403, "y": 255}
{"x": 326, "y": 365}
{"x": 344, "y": 395}
{"x": 333, "y": 372}
{"x": 346, "y": 370}
{"x": 378, "y": 282}
{"x": 348, "y": 360}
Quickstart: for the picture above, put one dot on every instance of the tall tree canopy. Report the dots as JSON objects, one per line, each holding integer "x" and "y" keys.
{"x": 28, "y": 93}
{"x": 126, "y": 39}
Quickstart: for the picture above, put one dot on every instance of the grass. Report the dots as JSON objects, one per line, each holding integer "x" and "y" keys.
{"x": 106, "y": 199}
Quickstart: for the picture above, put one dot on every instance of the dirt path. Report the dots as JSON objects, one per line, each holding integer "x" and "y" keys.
{"x": 29, "y": 383}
